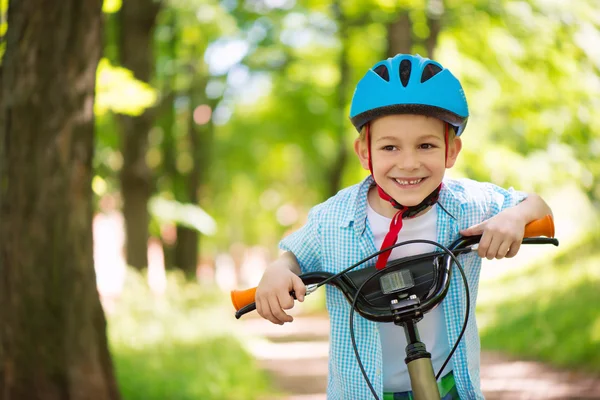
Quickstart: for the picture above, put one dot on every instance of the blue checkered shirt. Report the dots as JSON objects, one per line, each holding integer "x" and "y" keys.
{"x": 337, "y": 235}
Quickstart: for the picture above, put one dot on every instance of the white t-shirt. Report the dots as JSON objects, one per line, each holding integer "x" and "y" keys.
{"x": 432, "y": 328}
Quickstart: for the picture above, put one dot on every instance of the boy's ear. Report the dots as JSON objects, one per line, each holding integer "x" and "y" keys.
{"x": 361, "y": 150}
{"x": 454, "y": 148}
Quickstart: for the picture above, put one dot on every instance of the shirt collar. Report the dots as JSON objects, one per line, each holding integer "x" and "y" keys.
{"x": 450, "y": 201}
{"x": 356, "y": 214}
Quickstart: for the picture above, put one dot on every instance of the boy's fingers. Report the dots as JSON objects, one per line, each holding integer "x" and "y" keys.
{"x": 493, "y": 248}
{"x": 484, "y": 244}
{"x": 473, "y": 230}
{"x": 259, "y": 307}
{"x": 278, "y": 312}
{"x": 267, "y": 314}
{"x": 514, "y": 249}
{"x": 285, "y": 300}
{"x": 503, "y": 250}
{"x": 299, "y": 288}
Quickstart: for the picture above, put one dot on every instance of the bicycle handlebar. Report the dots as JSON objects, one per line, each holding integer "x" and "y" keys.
{"x": 243, "y": 300}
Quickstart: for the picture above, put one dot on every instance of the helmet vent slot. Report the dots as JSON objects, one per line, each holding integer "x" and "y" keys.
{"x": 405, "y": 67}
{"x": 383, "y": 72}
{"x": 429, "y": 71}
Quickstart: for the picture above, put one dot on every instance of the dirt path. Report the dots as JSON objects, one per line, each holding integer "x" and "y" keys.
{"x": 296, "y": 355}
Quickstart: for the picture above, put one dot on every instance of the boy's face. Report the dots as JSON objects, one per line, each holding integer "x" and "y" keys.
{"x": 408, "y": 155}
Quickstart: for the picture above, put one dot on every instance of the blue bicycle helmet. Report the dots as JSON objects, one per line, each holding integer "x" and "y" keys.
{"x": 407, "y": 84}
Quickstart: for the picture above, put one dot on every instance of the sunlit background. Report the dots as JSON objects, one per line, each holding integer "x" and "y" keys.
{"x": 245, "y": 109}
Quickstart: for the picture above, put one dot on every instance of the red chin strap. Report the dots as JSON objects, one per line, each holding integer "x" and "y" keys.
{"x": 403, "y": 212}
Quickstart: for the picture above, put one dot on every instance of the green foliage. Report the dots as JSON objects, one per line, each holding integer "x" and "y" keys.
{"x": 111, "y": 6}
{"x": 532, "y": 86}
{"x": 189, "y": 215}
{"x": 3, "y": 26}
{"x": 118, "y": 91}
{"x": 212, "y": 369}
{"x": 549, "y": 311}
{"x": 271, "y": 73}
{"x": 179, "y": 345}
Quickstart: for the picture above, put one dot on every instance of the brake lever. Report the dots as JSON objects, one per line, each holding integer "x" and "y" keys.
{"x": 530, "y": 240}
{"x": 309, "y": 289}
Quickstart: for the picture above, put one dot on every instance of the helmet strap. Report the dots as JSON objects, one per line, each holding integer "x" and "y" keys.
{"x": 403, "y": 212}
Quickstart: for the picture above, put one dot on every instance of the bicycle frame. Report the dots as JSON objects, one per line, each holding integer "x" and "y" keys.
{"x": 421, "y": 283}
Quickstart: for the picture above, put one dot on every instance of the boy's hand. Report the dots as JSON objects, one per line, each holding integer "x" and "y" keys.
{"x": 501, "y": 235}
{"x": 273, "y": 292}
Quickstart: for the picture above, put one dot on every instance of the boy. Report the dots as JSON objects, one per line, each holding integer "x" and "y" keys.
{"x": 410, "y": 113}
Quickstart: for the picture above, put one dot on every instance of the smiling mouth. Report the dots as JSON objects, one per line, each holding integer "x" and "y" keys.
{"x": 408, "y": 183}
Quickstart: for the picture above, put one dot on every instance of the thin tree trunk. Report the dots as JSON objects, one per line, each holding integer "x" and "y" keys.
{"x": 399, "y": 35}
{"x": 138, "y": 18}
{"x": 52, "y": 330}
{"x": 186, "y": 251}
{"x": 435, "y": 12}
{"x": 337, "y": 168}
{"x": 188, "y": 240}
{"x": 186, "y": 247}
{"x": 166, "y": 120}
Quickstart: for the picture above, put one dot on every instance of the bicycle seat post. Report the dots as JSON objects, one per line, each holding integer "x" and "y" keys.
{"x": 418, "y": 360}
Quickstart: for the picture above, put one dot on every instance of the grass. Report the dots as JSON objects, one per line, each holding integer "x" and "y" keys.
{"x": 549, "y": 311}
{"x": 181, "y": 345}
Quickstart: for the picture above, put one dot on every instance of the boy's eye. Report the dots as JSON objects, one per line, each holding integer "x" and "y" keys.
{"x": 426, "y": 146}
{"x": 388, "y": 148}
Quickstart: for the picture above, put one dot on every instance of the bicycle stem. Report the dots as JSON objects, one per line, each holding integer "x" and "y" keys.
{"x": 422, "y": 380}
{"x": 418, "y": 362}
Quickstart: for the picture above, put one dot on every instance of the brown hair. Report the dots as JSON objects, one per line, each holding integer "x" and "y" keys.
{"x": 451, "y": 132}
{"x": 362, "y": 135}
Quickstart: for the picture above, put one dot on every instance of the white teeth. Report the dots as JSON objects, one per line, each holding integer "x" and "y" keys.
{"x": 406, "y": 182}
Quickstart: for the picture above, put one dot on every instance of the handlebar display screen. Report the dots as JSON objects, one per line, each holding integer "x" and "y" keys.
{"x": 396, "y": 281}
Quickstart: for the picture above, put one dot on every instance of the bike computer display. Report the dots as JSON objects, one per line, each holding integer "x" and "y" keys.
{"x": 396, "y": 281}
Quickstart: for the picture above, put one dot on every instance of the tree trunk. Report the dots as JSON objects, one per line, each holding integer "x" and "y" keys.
{"x": 166, "y": 120}
{"x": 53, "y": 330}
{"x": 435, "y": 11}
{"x": 187, "y": 247}
{"x": 399, "y": 35}
{"x": 337, "y": 168}
{"x": 137, "y": 23}
{"x": 186, "y": 251}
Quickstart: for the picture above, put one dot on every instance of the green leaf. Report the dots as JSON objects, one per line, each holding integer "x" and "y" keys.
{"x": 118, "y": 91}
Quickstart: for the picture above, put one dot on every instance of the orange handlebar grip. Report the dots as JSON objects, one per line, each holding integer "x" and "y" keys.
{"x": 241, "y": 298}
{"x": 540, "y": 227}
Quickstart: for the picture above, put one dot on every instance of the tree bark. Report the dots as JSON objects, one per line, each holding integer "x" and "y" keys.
{"x": 435, "y": 11}
{"x": 339, "y": 162}
{"x": 53, "y": 331}
{"x": 138, "y": 19}
{"x": 399, "y": 35}
{"x": 166, "y": 120}
{"x": 187, "y": 249}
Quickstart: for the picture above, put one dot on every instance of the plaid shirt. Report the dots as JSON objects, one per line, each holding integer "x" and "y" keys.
{"x": 337, "y": 235}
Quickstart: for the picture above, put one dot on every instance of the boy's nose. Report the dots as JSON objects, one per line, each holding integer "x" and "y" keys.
{"x": 408, "y": 162}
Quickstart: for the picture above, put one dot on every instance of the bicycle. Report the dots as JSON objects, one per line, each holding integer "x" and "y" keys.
{"x": 406, "y": 290}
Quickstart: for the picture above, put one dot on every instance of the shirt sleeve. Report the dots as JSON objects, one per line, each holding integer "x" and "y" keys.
{"x": 499, "y": 199}
{"x": 305, "y": 244}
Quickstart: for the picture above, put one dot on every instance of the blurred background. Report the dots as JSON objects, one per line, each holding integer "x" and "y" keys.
{"x": 219, "y": 124}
